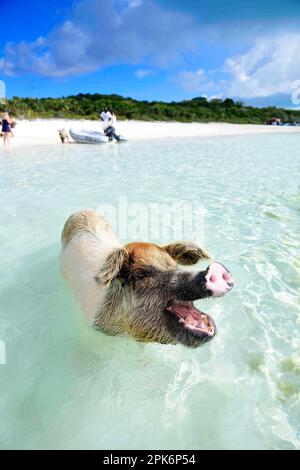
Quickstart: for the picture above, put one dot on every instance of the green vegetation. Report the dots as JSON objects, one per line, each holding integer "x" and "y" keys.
{"x": 196, "y": 110}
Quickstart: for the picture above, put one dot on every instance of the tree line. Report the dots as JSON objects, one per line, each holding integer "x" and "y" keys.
{"x": 88, "y": 106}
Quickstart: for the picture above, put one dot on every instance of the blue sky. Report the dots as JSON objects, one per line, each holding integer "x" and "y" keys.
{"x": 153, "y": 49}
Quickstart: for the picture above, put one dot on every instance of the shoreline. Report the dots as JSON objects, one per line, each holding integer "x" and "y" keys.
{"x": 45, "y": 131}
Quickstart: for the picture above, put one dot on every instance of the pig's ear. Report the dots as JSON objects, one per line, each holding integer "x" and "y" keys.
{"x": 186, "y": 253}
{"x": 112, "y": 266}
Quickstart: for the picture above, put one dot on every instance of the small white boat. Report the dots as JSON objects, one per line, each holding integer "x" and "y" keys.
{"x": 84, "y": 136}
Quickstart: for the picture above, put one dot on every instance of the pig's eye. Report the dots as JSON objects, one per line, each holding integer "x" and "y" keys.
{"x": 139, "y": 276}
{"x": 143, "y": 274}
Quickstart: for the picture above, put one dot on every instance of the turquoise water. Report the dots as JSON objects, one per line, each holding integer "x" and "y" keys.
{"x": 65, "y": 386}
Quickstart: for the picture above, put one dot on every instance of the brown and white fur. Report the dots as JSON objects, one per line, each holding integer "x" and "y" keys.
{"x": 138, "y": 289}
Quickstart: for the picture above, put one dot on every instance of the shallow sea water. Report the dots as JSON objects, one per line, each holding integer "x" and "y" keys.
{"x": 66, "y": 386}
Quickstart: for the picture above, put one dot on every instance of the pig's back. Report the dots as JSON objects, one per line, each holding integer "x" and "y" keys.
{"x": 87, "y": 240}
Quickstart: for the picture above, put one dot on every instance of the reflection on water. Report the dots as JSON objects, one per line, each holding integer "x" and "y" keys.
{"x": 65, "y": 386}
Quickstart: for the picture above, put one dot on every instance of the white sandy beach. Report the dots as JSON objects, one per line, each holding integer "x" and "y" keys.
{"x": 45, "y": 131}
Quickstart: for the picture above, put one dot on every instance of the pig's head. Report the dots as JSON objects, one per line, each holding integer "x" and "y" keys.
{"x": 152, "y": 297}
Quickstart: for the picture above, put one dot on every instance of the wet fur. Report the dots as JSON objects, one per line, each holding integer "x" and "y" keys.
{"x": 124, "y": 289}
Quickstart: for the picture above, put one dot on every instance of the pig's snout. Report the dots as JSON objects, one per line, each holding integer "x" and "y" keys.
{"x": 218, "y": 279}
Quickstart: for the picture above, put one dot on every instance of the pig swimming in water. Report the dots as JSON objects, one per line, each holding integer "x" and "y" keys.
{"x": 138, "y": 289}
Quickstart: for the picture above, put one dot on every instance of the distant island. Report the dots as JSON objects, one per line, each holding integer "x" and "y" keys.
{"x": 88, "y": 106}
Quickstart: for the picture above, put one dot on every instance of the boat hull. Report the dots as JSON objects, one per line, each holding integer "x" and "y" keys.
{"x": 84, "y": 136}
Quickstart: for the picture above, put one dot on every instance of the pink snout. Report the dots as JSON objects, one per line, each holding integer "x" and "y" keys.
{"x": 218, "y": 279}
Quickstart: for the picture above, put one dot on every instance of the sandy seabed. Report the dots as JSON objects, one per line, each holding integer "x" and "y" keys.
{"x": 45, "y": 131}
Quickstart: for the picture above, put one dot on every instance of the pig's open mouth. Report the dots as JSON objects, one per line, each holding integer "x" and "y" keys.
{"x": 192, "y": 319}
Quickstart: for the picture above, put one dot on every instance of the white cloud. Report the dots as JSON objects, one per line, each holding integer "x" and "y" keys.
{"x": 142, "y": 73}
{"x": 134, "y": 3}
{"x": 105, "y": 32}
{"x": 193, "y": 81}
{"x": 268, "y": 68}
{"x": 100, "y": 33}
{"x": 201, "y": 82}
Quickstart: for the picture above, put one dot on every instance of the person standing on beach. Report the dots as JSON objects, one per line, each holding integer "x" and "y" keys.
{"x": 110, "y": 128}
{"x": 6, "y": 128}
{"x": 105, "y": 117}
{"x": 113, "y": 119}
